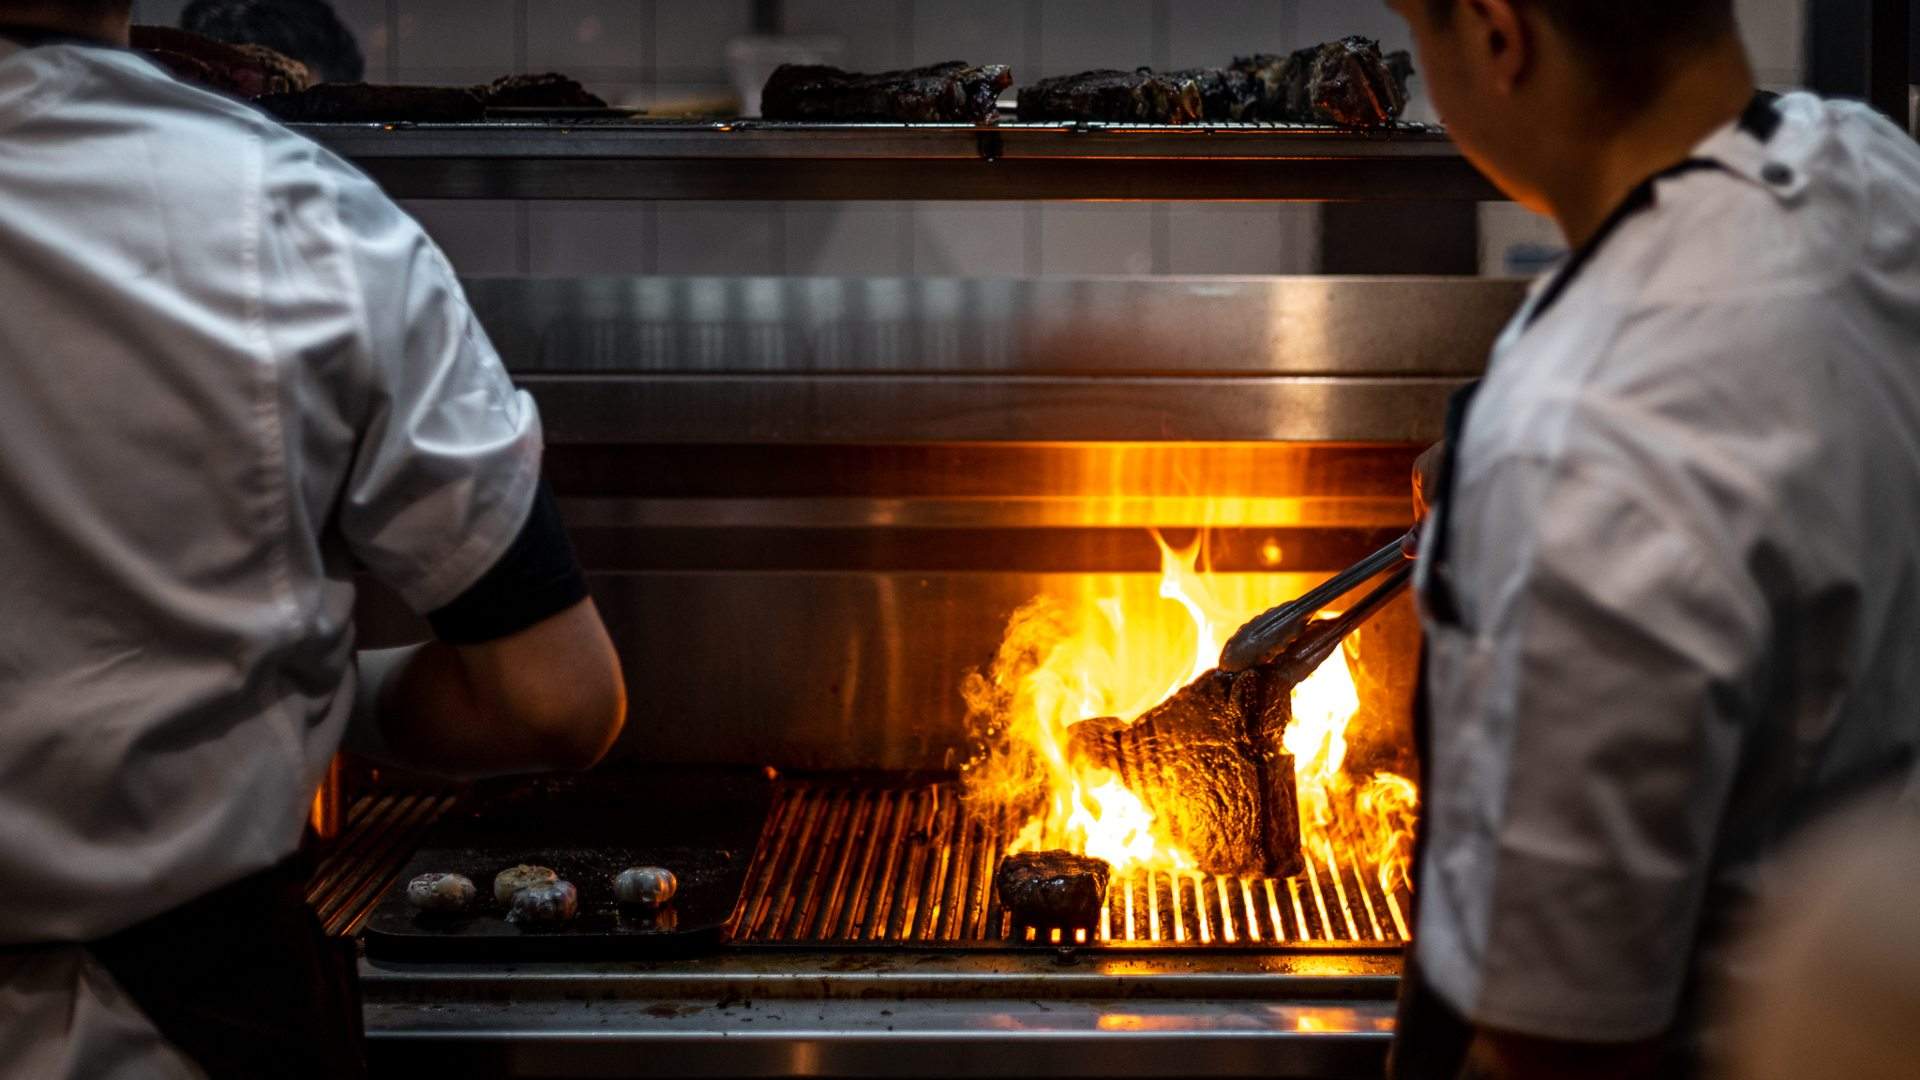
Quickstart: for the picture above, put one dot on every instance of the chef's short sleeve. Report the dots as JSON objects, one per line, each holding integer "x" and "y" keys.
{"x": 448, "y": 456}
{"x": 1587, "y": 730}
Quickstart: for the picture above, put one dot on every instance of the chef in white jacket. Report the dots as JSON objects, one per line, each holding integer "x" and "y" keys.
{"x": 1671, "y": 583}
{"x": 232, "y": 373}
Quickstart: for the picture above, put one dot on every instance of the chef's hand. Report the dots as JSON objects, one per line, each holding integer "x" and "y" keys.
{"x": 1426, "y": 485}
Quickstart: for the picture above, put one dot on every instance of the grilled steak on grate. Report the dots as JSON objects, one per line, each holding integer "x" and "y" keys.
{"x": 1053, "y": 889}
{"x": 1347, "y": 82}
{"x": 949, "y": 93}
{"x": 1226, "y": 94}
{"x": 1209, "y": 762}
{"x": 1122, "y": 97}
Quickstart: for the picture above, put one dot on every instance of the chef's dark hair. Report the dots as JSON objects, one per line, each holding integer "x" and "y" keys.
{"x": 1630, "y": 42}
{"x": 306, "y": 30}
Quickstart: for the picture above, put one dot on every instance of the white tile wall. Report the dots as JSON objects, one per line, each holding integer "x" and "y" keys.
{"x": 566, "y": 239}
{"x": 690, "y": 38}
{"x": 977, "y": 31}
{"x": 459, "y": 41}
{"x": 1208, "y": 239}
{"x": 1081, "y": 35}
{"x": 1210, "y": 33}
{"x": 596, "y": 41}
{"x": 848, "y": 238}
{"x": 482, "y": 238}
{"x": 877, "y": 33}
{"x": 1112, "y": 238}
{"x": 720, "y": 238}
{"x": 972, "y": 239}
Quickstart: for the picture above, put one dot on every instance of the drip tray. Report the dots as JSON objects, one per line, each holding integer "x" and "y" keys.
{"x": 851, "y": 863}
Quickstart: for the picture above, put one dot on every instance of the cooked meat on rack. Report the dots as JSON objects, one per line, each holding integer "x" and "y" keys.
{"x": 1226, "y": 94}
{"x": 1209, "y": 762}
{"x": 1052, "y": 890}
{"x": 365, "y": 103}
{"x": 245, "y": 71}
{"x": 549, "y": 91}
{"x": 949, "y": 93}
{"x": 1121, "y": 97}
{"x": 1346, "y": 82}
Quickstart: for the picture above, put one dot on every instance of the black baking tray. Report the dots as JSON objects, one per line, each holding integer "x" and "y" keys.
{"x": 701, "y": 824}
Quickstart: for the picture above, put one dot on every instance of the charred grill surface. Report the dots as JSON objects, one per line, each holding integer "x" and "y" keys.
{"x": 1126, "y": 97}
{"x": 952, "y": 93}
{"x": 349, "y": 103}
{"x": 1209, "y": 762}
{"x": 1050, "y": 890}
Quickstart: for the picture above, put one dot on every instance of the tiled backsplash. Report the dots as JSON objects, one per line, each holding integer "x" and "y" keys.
{"x": 647, "y": 52}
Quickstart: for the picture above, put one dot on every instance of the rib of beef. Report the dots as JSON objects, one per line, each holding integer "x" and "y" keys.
{"x": 1346, "y": 82}
{"x": 1052, "y": 889}
{"x": 1209, "y": 763}
{"x": 1122, "y": 97}
{"x": 949, "y": 93}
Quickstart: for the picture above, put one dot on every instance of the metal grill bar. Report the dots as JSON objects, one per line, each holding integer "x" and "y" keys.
{"x": 380, "y": 834}
{"x": 850, "y": 863}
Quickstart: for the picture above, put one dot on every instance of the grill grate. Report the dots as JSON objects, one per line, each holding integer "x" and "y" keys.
{"x": 379, "y": 835}
{"x": 863, "y": 864}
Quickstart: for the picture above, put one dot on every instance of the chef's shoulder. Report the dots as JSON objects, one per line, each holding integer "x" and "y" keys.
{"x": 1831, "y": 199}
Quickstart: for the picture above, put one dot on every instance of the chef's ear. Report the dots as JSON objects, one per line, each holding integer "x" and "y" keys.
{"x": 1499, "y": 35}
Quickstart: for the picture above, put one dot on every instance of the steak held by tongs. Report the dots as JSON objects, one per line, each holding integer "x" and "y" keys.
{"x": 1210, "y": 761}
{"x": 949, "y": 93}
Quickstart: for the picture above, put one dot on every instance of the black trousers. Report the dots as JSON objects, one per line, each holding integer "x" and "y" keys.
{"x": 246, "y": 982}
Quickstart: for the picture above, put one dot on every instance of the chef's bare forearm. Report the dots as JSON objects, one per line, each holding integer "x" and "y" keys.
{"x": 1497, "y": 1055}
{"x": 550, "y": 697}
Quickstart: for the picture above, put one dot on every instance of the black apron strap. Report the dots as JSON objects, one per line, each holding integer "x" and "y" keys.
{"x": 245, "y": 982}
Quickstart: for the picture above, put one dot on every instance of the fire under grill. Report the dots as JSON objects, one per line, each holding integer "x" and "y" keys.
{"x": 871, "y": 865}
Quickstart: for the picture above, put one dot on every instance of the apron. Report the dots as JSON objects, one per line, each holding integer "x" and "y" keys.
{"x": 243, "y": 981}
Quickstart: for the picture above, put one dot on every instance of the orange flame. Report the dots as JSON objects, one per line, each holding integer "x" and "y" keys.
{"x": 1113, "y": 650}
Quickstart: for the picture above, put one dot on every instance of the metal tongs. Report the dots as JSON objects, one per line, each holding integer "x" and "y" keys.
{"x": 1290, "y": 628}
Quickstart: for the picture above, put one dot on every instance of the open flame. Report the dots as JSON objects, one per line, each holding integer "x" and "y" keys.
{"x": 1110, "y": 649}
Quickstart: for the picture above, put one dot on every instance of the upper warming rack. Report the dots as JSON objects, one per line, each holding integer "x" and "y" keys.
{"x": 760, "y": 160}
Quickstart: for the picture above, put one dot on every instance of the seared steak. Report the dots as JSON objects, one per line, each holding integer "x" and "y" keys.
{"x": 1053, "y": 890}
{"x": 1346, "y": 82}
{"x": 245, "y": 71}
{"x": 949, "y": 93}
{"x": 1209, "y": 763}
{"x": 1226, "y": 94}
{"x": 548, "y": 91}
{"x": 1122, "y": 97}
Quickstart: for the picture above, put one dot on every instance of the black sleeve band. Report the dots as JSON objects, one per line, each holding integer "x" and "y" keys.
{"x": 536, "y": 579}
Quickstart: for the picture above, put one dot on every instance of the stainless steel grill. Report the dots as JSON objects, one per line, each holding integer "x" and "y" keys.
{"x": 380, "y": 833}
{"x": 853, "y": 863}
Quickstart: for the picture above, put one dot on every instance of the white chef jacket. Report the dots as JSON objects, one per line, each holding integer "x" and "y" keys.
{"x": 1685, "y": 549}
{"x": 231, "y": 372}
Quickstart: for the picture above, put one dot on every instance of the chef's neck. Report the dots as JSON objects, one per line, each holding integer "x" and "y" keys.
{"x": 1604, "y": 162}
{"x": 98, "y": 20}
